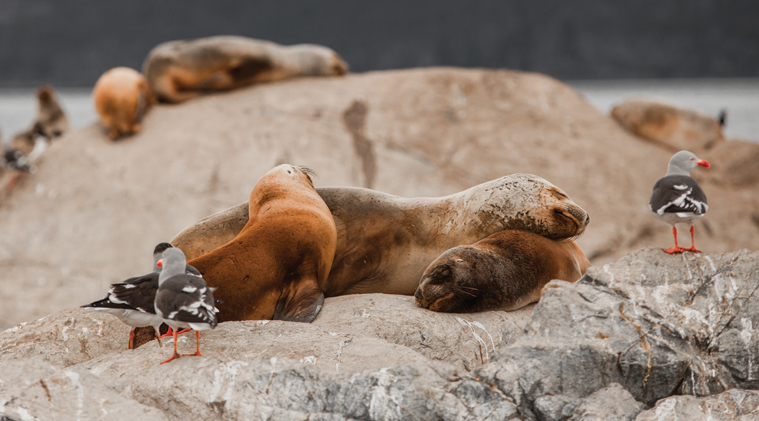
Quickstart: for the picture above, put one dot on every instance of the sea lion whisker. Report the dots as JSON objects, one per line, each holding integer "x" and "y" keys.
{"x": 461, "y": 290}
{"x": 308, "y": 171}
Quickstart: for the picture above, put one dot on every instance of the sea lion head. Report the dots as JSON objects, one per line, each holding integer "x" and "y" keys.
{"x": 527, "y": 202}
{"x": 281, "y": 181}
{"x": 560, "y": 216}
{"x": 318, "y": 60}
{"x": 446, "y": 284}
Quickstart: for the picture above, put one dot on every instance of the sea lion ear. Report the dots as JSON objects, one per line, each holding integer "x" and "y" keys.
{"x": 300, "y": 301}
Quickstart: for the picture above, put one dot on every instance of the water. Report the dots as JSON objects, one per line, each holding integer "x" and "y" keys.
{"x": 740, "y": 97}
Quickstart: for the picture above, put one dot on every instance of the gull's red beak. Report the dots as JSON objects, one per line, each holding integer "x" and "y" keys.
{"x": 703, "y": 163}
{"x": 160, "y": 262}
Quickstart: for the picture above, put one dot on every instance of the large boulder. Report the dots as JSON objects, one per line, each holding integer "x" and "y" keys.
{"x": 638, "y": 333}
{"x": 655, "y": 323}
{"x": 94, "y": 210}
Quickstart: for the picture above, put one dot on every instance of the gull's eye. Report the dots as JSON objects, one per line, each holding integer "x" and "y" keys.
{"x": 691, "y": 159}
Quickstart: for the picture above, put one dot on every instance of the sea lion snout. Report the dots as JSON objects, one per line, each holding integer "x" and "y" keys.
{"x": 437, "y": 290}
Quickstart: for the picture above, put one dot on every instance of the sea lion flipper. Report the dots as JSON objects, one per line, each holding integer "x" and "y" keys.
{"x": 300, "y": 301}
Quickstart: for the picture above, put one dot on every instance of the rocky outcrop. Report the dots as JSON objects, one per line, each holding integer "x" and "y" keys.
{"x": 651, "y": 336}
{"x": 68, "y": 230}
{"x": 733, "y": 405}
{"x": 32, "y": 389}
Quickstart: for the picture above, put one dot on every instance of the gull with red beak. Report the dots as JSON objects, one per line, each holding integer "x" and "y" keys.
{"x": 678, "y": 199}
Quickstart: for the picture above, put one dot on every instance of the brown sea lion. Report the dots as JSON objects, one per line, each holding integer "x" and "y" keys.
{"x": 385, "y": 242}
{"x": 672, "y": 127}
{"x": 181, "y": 70}
{"x": 122, "y": 97}
{"x": 505, "y": 271}
{"x": 277, "y": 266}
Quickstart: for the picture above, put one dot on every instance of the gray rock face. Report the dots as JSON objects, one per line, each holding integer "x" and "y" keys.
{"x": 656, "y": 324}
{"x": 735, "y": 404}
{"x": 634, "y": 333}
{"x": 32, "y": 389}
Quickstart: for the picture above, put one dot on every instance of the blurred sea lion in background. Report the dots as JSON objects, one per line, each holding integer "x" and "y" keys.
{"x": 385, "y": 242}
{"x": 122, "y": 97}
{"x": 505, "y": 271}
{"x": 180, "y": 70}
{"x": 672, "y": 127}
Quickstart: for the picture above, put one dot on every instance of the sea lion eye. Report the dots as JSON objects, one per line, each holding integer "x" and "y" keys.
{"x": 459, "y": 260}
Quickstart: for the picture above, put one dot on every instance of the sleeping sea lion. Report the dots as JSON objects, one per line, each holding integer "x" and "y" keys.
{"x": 672, "y": 127}
{"x": 505, "y": 271}
{"x": 385, "y": 242}
{"x": 181, "y": 70}
{"x": 276, "y": 267}
{"x": 122, "y": 97}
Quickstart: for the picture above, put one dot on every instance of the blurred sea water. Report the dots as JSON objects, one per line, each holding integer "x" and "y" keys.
{"x": 739, "y": 97}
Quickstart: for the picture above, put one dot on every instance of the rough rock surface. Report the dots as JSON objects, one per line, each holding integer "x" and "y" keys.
{"x": 673, "y": 127}
{"x": 628, "y": 336}
{"x": 95, "y": 209}
{"x": 732, "y": 405}
{"x": 32, "y": 389}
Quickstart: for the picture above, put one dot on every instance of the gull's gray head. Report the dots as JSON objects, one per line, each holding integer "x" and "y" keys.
{"x": 683, "y": 162}
{"x": 158, "y": 254}
{"x": 173, "y": 263}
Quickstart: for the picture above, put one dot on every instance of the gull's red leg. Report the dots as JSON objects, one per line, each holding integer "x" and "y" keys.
{"x": 170, "y": 332}
{"x": 174, "y": 355}
{"x": 676, "y": 248}
{"x": 693, "y": 241}
{"x": 131, "y": 339}
{"x": 197, "y": 346}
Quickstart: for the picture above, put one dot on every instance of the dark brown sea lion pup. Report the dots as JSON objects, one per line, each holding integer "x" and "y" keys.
{"x": 505, "y": 271}
{"x": 181, "y": 70}
{"x": 277, "y": 266}
{"x": 122, "y": 97}
{"x": 385, "y": 242}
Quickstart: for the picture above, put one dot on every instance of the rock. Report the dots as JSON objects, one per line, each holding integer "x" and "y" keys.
{"x": 738, "y": 164}
{"x": 352, "y": 333}
{"x": 65, "y": 338}
{"x": 32, "y": 389}
{"x": 656, "y": 324}
{"x": 465, "y": 340}
{"x": 735, "y": 404}
{"x": 638, "y": 331}
{"x": 612, "y": 403}
{"x": 673, "y": 127}
{"x": 228, "y": 389}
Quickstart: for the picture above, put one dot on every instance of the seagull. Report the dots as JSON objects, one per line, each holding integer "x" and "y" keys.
{"x": 678, "y": 199}
{"x": 132, "y": 301}
{"x": 183, "y": 301}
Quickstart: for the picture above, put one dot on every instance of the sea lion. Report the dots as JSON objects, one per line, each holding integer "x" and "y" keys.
{"x": 505, "y": 271}
{"x": 385, "y": 242}
{"x": 671, "y": 127}
{"x": 181, "y": 70}
{"x": 122, "y": 97}
{"x": 277, "y": 266}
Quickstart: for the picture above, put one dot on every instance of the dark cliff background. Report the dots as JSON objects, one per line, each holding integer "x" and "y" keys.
{"x": 71, "y": 42}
